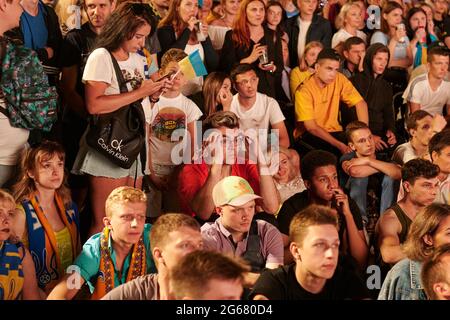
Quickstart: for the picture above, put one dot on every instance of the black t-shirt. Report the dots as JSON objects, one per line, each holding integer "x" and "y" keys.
{"x": 76, "y": 48}
{"x": 281, "y": 284}
{"x": 300, "y": 201}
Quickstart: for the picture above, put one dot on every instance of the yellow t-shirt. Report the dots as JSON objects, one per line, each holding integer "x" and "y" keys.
{"x": 64, "y": 243}
{"x": 296, "y": 78}
{"x": 322, "y": 104}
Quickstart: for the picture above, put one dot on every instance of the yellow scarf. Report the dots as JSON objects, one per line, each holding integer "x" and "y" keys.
{"x": 105, "y": 280}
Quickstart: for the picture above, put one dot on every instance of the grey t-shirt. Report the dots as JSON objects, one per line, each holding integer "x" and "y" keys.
{"x": 142, "y": 288}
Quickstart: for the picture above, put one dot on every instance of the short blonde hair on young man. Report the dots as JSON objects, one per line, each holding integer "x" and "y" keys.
{"x": 313, "y": 215}
{"x": 122, "y": 195}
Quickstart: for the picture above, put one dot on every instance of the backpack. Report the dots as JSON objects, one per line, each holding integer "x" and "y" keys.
{"x": 31, "y": 103}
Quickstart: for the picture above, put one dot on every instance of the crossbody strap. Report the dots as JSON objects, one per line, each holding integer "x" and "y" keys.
{"x": 119, "y": 76}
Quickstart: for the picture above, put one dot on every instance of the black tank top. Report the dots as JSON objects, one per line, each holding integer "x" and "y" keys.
{"x": 404, "y": 220}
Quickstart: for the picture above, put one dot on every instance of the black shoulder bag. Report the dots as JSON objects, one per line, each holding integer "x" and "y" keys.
{"x": 119, "y": 135}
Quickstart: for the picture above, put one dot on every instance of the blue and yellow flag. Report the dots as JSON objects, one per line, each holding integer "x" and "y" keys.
{"x": 192, "y": 66}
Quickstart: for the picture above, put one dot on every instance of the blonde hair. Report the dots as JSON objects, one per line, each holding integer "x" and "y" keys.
{"x": 313, "y": 215}
{"x": 31, "y": 159}
{"x": 122, "y": 195}
{"x": 172, "y": 55}
{"x": 313, "y": 44}
{"x": 340, "y": 19}
{"x": 5, "y": 196}
{"x": 425, "y": 223}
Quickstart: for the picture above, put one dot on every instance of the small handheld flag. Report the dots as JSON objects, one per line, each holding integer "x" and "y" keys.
{"x": 192, "y": 66}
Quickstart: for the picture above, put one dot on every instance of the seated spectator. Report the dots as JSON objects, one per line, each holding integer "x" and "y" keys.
{"x": 305, "y": 27}
{"x": 421, "y": 33}
{"x": 348, "y": 22}
{"x": 331, "y": 11}
{"x": 206, "y": 275}
{"x": 180, "y": 29}
{"x": 431, "y": 91}
{"x": 421, "y": 127}
{"x": 220, "y": 24}
{"x": 173, "y": 236}
{"x": 235, "y": 232}
{"x": 50, "y": 229}
{"x": 173, "y": 113}
{"x": 420, "y": 181}
{"x": 322, "y": 187}
{"x": 353, "y": 52}
{"x": 377, "y": 92}
{"x": 306, "y": 67}
{"x": 217, "y": 94}
{"x": 316, "y": 274}
{"x": 118, "y": 254}
{"x": 256, "y": 110}
{"x": 362, "y": 165}
{"x": 439, "y": 149}
{"x": 440, "y": 16}
{"x": 428, "y": 231}
{"x": 317, "y": 105}
{"x": 290, "y": 8}
{"x": 248, "y": 41}
{"x": 17, "y": 272}
{"x": 12, "y": 140}
{"x": 397, "y": 41}
{"x": 196, "y": 181}
{"x": 435, "y": 274}
{"x": 288, "y": 179}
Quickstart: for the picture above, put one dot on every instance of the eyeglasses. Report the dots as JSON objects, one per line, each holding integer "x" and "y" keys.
{"x": 247, "y": 81}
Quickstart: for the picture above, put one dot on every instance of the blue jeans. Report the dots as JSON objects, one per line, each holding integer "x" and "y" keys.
{"x": 358, "y": 192}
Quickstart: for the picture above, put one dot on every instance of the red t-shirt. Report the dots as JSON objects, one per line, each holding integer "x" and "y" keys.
{"x": 193, "y": 176}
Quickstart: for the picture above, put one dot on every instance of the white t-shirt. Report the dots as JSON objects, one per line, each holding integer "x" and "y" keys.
{"x": 168, "y": 115}
{"x": 217, "y": 36}
{"x": 12, "y": 140}
{"x": 403, "y": 153}
{"x": 304, "y": 26}
{"x": 419, "y": 91}
{"x": 193, "y": 85}
{"x": 261, "y": 115}
{"x": 343, "y": 35}
{"x": 99, "y": 67}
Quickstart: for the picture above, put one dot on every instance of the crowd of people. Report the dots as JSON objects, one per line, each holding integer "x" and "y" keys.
{"x": 316, "y": 148}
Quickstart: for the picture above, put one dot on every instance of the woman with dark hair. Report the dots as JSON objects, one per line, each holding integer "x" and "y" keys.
{"x": 50, "y": 229}
{"x": 428, "y": 231}
{"x": 123, "y": 35}
{"x": 248, "y": 41}
{"x": 393, "y": 35}
{"x": 181, "y": 29}
{"x": 421, "y": 32}
{"x": 217, "y": 93}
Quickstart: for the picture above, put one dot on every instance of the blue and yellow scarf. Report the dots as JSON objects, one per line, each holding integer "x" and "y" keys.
{"x": 42, "y": 240}
{"x": 11, "y": 271}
